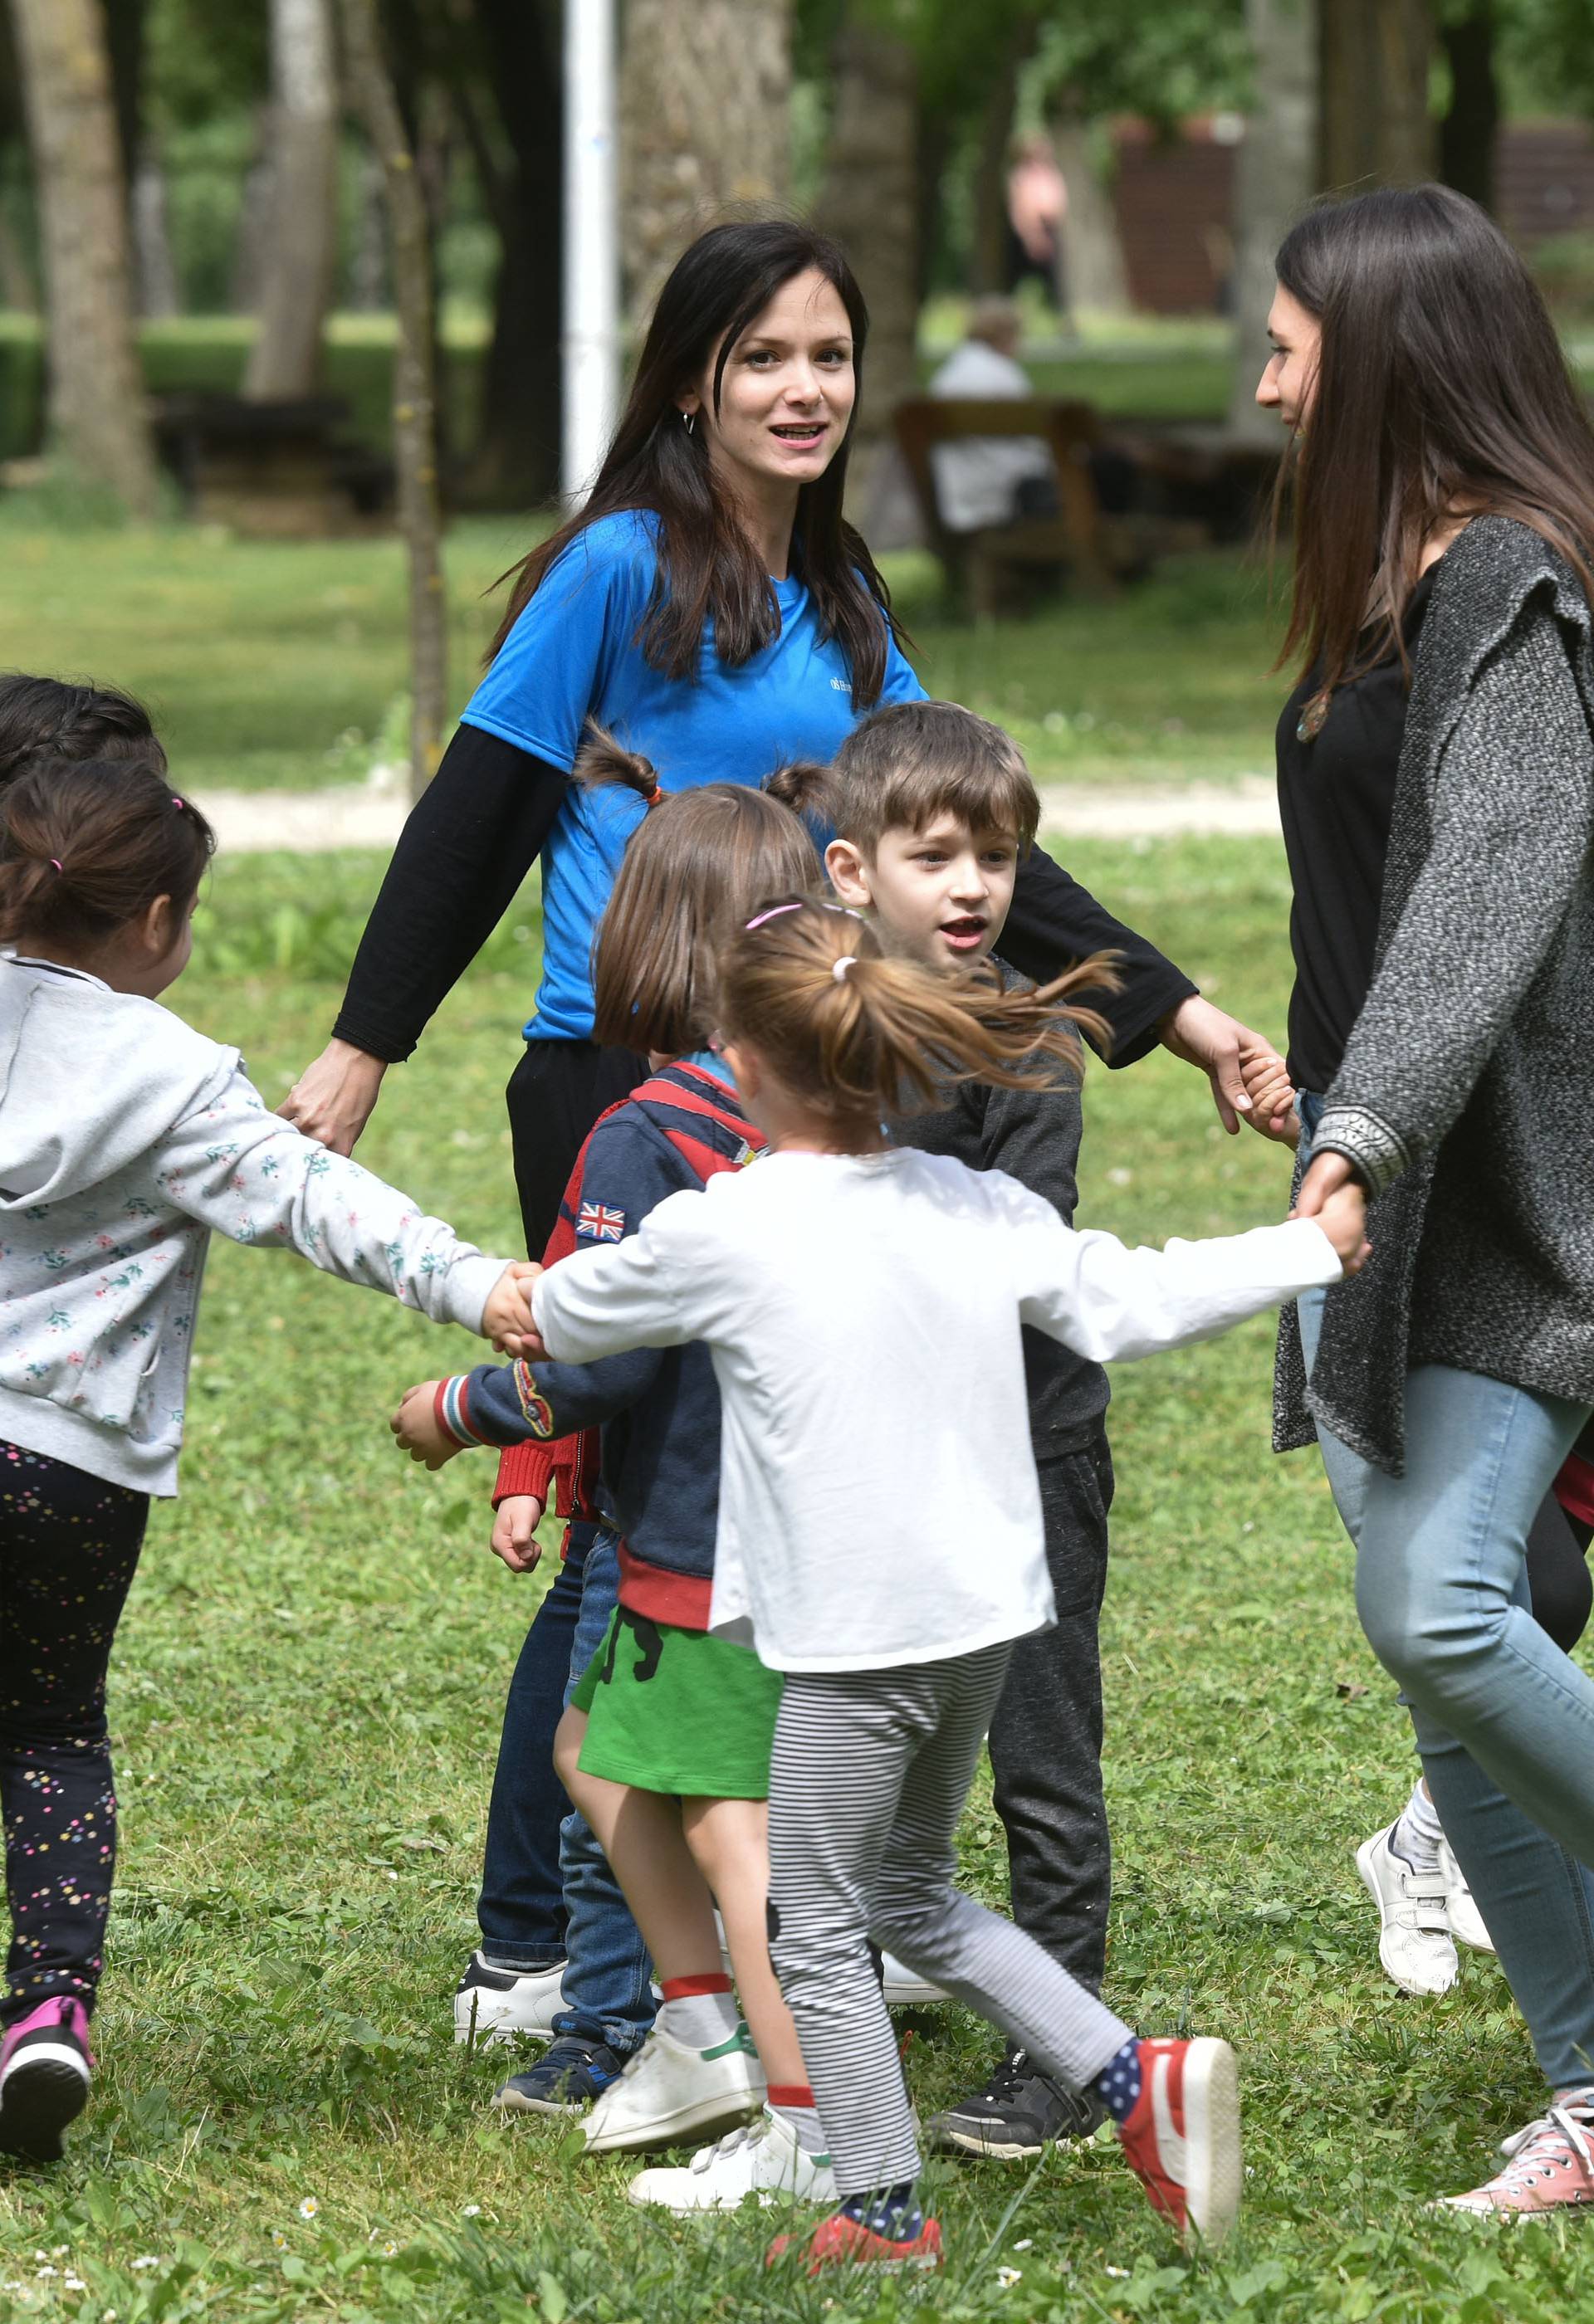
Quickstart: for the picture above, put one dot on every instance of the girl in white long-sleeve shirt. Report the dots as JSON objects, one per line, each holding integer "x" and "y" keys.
{"x": 125, "y": 1138}
{"x": 863, "y": 1306}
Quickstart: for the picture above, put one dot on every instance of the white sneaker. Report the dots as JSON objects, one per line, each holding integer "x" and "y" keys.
{"x": 761, "y": 2158}
{"x": 904, "y": 1987}
{"x": 670, "y": 2094}
{"x": 1460, "y": 1904}
{"x": 1415, "y": 1943}
{"x": 495, "y": 2004}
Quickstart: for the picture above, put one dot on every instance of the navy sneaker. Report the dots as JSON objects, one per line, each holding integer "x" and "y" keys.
{"x": 1018, "y": 2114}
{"x": 570, "y": 2074}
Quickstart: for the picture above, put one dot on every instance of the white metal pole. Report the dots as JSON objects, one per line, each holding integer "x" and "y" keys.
{"x": 591, "y": 341}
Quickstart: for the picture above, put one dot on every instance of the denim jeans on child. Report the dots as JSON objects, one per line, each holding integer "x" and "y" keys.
{"x": 547, "y": 1890}
{"x": 1504, "y": 1720}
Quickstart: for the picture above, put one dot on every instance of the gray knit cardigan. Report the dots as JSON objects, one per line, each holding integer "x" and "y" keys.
{"x": 1466, "y": 1098}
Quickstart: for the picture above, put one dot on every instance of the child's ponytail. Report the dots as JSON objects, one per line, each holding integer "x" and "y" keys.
{"x": 807, "y": 787}
{"x": 602, "y": 761}
{"x": 857, "y": 1034}
{"x": 86, "y": 847}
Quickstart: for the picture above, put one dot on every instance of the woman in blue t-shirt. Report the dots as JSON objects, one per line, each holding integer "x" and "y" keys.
{"x": 713, "y": 609}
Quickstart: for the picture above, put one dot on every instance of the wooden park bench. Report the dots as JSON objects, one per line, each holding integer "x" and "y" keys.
{"x": 975, "y": 562}
{"x": 287, "y": 467}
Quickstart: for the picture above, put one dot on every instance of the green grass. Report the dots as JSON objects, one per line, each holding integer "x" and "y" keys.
{"x": 272, "y": 665}
{"x": 305, "y": 1702}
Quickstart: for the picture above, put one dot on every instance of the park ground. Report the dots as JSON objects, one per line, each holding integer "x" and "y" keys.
{"x": 306, "y": 1695}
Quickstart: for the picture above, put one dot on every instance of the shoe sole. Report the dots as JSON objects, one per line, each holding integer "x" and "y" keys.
{"x": 702, "y": 2122}
{"x": 767, "y": 2198}
{"x": 1369, "y": 1881}
{"x": 1212, "y": 2135}
{"x": 946, "y": 2138}
{"x": 481, "y": 2032}
{"x": 512, "y": 2102}
{"x": 46, "y": 2089}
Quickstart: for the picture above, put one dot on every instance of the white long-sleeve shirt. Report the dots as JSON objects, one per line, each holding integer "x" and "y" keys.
{"x": 977, "y": 478}
{"x": 878, "y": 1502}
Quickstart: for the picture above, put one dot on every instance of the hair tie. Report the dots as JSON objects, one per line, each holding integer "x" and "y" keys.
{"x": 655, "y": 798}
{"x": 175, "y": 800}
{"x": 773, "y": 913}
{"x": 58, "y": 863}
{"x": 838, "y": 968}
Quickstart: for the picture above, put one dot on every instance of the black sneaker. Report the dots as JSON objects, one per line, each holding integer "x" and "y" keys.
{"x": 1019, "y": 2111}
{"x": 570, "y": 2074}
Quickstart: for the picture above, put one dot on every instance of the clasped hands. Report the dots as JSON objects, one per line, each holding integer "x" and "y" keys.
{"x": 508, "y": 1323}
{"x": 1331, "y": 1193}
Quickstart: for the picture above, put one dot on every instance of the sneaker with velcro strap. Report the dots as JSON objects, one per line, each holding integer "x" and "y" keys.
{"x": 45, "y": 2069}
{"x": 1016, "y": 2116}
{"x": 568, "y": 2078}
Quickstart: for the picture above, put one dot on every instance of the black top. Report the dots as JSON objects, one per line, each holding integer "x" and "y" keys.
{"x": 1336, "y": 796}
{"x": 481, "y": 824}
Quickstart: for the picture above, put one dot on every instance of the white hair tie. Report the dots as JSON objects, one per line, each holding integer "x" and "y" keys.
{"x": 838, "y": 968}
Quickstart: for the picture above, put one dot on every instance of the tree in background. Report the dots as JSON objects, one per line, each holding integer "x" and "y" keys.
{"x": 1375, "y": 126}
{"x": 96, "y": 412}
{"x": 300, "y": 243}
{"x": 1273, "y": 181}
{"x": 705, "y": 126}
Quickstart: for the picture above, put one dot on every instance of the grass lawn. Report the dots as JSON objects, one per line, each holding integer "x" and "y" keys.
{"x": 272, "y": 665}
{"x": 305, "y": 1704}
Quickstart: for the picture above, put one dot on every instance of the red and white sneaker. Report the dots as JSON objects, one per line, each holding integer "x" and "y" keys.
{"x": 1182, "y": 2140}
{"x": 1551, "y": 2166}
{"x": 841, "y": 2241}
{"x": 45, "y": 2066}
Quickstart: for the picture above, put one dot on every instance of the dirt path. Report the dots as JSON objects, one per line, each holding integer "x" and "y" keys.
{"x": 369, "y": 814}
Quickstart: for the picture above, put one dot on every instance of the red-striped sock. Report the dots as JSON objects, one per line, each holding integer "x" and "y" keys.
{"x": 698, "y": 2011}
{"x": 793, "y": 2101}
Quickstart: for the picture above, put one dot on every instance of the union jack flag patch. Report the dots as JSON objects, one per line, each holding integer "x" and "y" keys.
{"x": 601, "y": 1221}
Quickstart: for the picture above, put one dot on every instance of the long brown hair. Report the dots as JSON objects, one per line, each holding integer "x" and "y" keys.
{"x": 708, "y": 568}
{"x": 695, "y": 867}
{"x": 87, "y": 846}
{"x": 856, "y": 1034}
{"x": 1442, "y": 388}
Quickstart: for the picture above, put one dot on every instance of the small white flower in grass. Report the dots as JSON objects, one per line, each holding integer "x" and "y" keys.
{"x": 75, "y": 2283}
{"x": 308, "y": 2208}
{"x": 49, "y": 2270}
{"x": 279, "y": 2240}
{"x": 149, "y": 2260}
{"x": 471, "y": 2211}
{"x": 1006, "y": 2277}
{"x": 390, "y": 2251}
{"x": 1025, "y": 2242}
{"x": 1120, "y": 2272}
{"x": 59, "y": 2250}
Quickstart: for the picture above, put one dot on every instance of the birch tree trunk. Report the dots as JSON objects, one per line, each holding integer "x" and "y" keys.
{"x": 870, "y": 200}
{"x": 97, "y": 413}
{"x": 1272, "y": 183}
{"x": 705, "y": 106}
{"x": 300, "y": 240}
{"x": 415, "y": 385}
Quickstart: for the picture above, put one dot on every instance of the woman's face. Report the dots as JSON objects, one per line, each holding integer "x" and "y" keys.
{"x": 1289, "y": 382}
{"x": 788, "y": 391}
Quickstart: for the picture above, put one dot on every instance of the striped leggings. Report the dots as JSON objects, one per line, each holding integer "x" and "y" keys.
{"x": 870, "y": 1773}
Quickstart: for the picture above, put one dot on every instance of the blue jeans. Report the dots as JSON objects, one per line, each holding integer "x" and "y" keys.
{"x": 1504, "y": 1720}
{"x": 547, "y": 1891}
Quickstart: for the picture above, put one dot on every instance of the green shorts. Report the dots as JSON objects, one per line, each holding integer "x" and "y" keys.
{"x": 676, "y": 1711}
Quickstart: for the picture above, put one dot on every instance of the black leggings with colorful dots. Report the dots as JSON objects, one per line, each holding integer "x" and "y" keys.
{"x": 68, "y": 1546}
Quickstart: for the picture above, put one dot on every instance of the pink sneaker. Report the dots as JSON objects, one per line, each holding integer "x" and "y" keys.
{"x": 1551, "y": 2166}
{"x": 45, "y": 2065}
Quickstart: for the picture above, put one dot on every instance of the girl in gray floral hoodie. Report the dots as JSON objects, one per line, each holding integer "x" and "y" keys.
{"x": 126, "y": 1138}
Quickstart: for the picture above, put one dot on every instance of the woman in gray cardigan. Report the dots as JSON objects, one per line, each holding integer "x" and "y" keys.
{"x": 1441, "y": 845}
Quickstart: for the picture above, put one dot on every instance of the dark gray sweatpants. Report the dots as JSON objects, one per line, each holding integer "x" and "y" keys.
{"x": 869, "y": 1776}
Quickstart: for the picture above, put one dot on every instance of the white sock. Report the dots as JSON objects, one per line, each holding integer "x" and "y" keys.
{"x": 795, "y": 2105}
{"x": 1419, "y": 1833}
{"x": 698, "y": 2020}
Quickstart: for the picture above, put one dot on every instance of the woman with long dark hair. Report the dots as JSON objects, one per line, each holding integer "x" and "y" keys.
{"x": 710, "y": 606}
{"x": 1436, "y": 765}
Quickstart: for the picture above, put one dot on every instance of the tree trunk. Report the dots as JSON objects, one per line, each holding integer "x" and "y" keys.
{"x": 158, "y": 292}
{"x": 1373, "y": 125}
{"x": 414, "y": 386}
{"x": 1095, "y": 278}
{"x": 515, "y": 460}
{"x": 988, "y": 257}
{"x": 870, "y": 200}
{"x": 1466, "y": 133}
{"x": 705, "y": 105}
{"x": 97, "y": 408}
{"x": 1272, "y": 183}
{"x": 296, "y": 291}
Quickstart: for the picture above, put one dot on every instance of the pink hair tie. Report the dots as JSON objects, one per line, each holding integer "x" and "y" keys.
{"x": 58, "y": 863}
{"x": 773, "y": 913}
{"x": 655, "y": 798}
{"x": 175, "y": 800}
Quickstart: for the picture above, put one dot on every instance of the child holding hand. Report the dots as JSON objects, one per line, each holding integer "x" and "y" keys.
{"x": 126, "y": 1138}
{"x": 863, "y": 1305}
{"x": 665, "y": 1745}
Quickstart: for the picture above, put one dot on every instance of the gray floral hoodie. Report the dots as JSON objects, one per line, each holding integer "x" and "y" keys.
{"x": 125, "y": 1138}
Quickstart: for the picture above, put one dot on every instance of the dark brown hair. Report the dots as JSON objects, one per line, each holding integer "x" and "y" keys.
{"x": 85, "y": 847}
{"x": 1442, "y": 388}
{"x": 903, "y": 766}
{"x": 695, "y": 867}
{"x": 51, "y": 717}
{"x": 708, "y": 567}
{"x": 884, "y": 1036}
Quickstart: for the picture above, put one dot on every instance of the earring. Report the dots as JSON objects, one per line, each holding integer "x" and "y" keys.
{"x": 689, "y": 421}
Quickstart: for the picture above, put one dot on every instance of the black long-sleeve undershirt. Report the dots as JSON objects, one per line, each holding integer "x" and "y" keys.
{"x": 481, "y": 824}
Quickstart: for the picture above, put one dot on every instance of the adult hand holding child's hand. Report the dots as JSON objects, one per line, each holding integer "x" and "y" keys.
{"x": 1272, "y": 1097}
{"x": 514, "y": 1531}
{"x": 506, "y": 1319}
{"x": 419, "y": 1432}
{"x": 1332, "y": 1194}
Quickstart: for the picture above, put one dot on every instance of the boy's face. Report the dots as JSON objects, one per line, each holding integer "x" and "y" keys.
{"x": 942, "y": 894}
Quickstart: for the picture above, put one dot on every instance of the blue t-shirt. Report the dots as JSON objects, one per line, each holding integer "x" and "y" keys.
{"x": 573, "y": 655}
